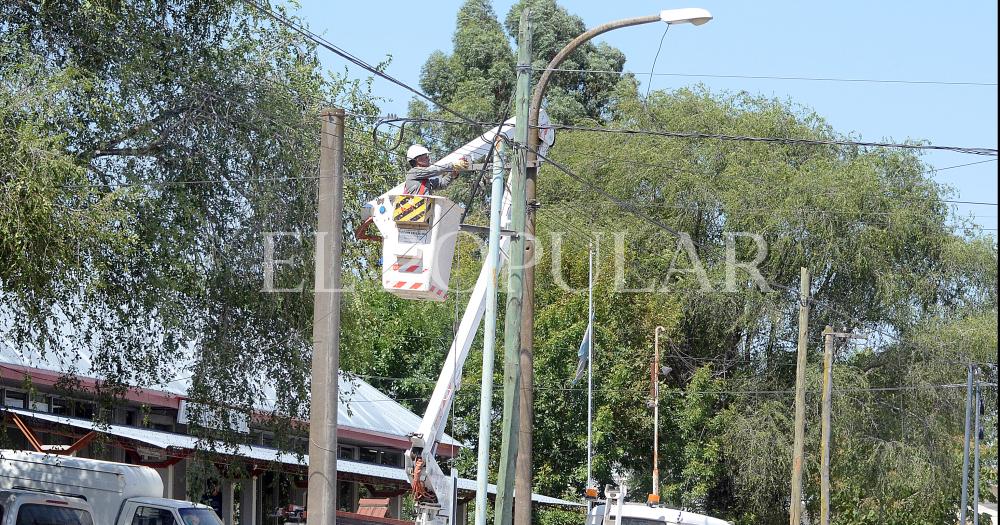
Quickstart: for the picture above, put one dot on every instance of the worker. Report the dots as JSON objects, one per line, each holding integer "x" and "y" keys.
{"x": 423, "y": 179}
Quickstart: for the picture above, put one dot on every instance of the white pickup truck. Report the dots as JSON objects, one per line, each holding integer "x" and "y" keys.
{"x": 58, "y": 490}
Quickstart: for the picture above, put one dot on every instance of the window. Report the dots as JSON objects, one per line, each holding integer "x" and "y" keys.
{"x": 369, "y": 455}
{"x": 346, "y": 497}
{"x": 15, "y": 399}
{"x": 640, "y": 521}
{"x": 153, "y": 516}
{"x": 346, "y": 452}
{"x": 35, "y": 514}
{"x": 83, "y": 409}
{"x": 394, "y": 459}
{"x": 40, "y": 402}
{"x": 60, "y": 406}
{"x": 199, "y": 517}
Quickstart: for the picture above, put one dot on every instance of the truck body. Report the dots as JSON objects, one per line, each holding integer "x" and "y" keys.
{"x": 615, "y": 511}
{"x": 119, "y": 494}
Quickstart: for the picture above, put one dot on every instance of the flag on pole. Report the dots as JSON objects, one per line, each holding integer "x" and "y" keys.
{"x": 583, "y": 354}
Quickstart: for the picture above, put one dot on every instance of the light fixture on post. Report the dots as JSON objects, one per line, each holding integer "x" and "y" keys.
{"x": 689, "y": 15}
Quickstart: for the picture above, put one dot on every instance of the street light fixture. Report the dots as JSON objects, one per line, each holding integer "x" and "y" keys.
{"x": 688, "y": 15}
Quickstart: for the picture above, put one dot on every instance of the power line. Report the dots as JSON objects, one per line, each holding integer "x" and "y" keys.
{"x": 634, "y": 162}
{"x": 329, "y": 46}
{"x": 778, "y": 140}
{"x": 974, "y": 203}
{"x": 749, "y": 138}
{"x": 964, "y": 165}
{"x": 769, "y": 77}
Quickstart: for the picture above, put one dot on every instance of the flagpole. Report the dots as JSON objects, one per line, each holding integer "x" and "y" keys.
{"x": 590, "y": 366}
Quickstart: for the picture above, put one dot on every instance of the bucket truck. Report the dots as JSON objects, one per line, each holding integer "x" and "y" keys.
{"x": 423, "y": 259}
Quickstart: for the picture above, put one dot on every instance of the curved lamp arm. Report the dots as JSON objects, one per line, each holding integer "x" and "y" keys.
{"x": 696, "y": 16}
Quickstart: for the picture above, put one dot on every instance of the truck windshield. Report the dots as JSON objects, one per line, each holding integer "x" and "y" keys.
{"x": 199, "y": 517}
{"x": 35, "y": 514}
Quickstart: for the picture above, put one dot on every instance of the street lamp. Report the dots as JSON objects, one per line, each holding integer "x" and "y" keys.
{"x": 695, "y": 16}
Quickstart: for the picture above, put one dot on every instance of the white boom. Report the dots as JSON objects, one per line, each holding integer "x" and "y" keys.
{"x": 438, "y": 506}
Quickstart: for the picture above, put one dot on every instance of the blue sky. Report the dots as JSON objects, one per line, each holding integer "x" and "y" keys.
{"x": 847, "y": 39}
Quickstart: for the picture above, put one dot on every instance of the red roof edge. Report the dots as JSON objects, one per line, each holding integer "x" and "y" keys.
{"x": 44, "y": 377}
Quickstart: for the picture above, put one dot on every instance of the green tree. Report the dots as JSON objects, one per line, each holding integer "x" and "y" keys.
{"x": 153, "y": 145}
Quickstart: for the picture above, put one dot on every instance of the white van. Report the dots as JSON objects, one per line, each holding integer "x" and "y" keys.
{"x": 119, "y": 494}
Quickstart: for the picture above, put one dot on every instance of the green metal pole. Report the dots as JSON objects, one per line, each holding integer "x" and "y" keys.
{"x": 515, "y": 284}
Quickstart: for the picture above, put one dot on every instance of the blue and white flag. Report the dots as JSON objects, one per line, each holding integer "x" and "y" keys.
{"x": 583, "y": 354}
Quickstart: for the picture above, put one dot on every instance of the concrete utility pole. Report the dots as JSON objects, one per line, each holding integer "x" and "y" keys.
{"x": 322, "y": 495}
{"x": 489, "y": 335}
{"x": 963, "y": 512}
{"x": 656, "y": 414}
{"x": 515, "y": 286}
{"x": 824, "y": 502}
{"x": 975, "y": 469}
{"x": 829, "y": 341}
{"x": 795, "y": 506}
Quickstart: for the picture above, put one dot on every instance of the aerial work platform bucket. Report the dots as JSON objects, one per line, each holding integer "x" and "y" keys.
{"x": 419, "y": 231}
{"x": 418, "y": 243}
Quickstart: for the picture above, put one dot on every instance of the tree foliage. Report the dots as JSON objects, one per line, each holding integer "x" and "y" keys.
{"x": 153, "y": 146}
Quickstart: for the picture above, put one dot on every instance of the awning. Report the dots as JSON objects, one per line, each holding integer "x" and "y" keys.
{"x": 171, "y": 440}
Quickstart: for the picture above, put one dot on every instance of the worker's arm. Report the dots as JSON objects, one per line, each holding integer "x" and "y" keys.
{"x": 434, "y": 177}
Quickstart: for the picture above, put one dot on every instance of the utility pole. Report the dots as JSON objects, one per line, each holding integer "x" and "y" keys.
{"x": 522, "y": 478}
{"x": 489, "y": 335}
{"x": 656, "y": 415}
{"x": 798, "y": 449}
{"x": 515, "y": 286}
{"x": 322, "y": 495}
{"x": 828, "y": 349}
{"x": 824, "y": 502}
{"x": 975, "y": 471}
{"x": 963, "y": 512}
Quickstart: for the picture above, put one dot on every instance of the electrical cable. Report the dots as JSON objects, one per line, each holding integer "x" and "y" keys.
{"x": 649, "y": 85}
{"x": 773, "y": 140}
{"x": 322, "y": 42}
{"x": 766, "y": 77}
{"x": 777, "y": 140}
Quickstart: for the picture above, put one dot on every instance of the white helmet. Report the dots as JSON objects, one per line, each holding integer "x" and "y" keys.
{"x": 415, "y": 151}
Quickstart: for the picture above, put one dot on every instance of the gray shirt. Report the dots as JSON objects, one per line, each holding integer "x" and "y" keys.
{"x": 433, "y": 177}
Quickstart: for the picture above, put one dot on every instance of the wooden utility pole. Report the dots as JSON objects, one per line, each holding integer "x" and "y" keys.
{"x": 522, "y": 477}
{"x": 515, "y": 286}
{"x": 963, "y": 511}
{"x": 824, "y": 502}
{"x": 322, "y": 495}
{"x": 795, "y": 506}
